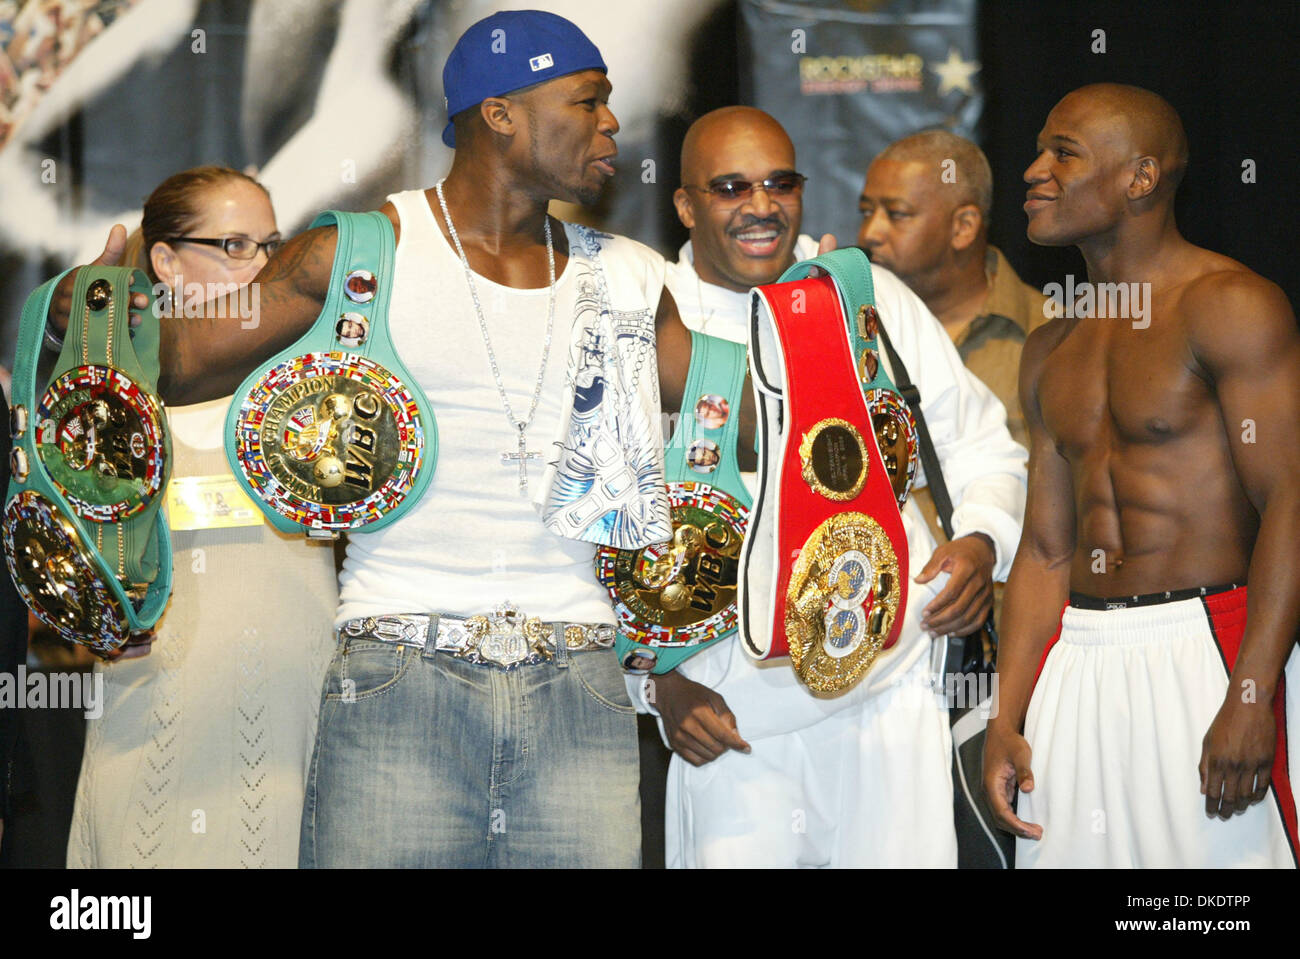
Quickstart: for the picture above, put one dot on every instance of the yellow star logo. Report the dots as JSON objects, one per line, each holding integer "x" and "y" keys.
{"x": 955, "y": 73}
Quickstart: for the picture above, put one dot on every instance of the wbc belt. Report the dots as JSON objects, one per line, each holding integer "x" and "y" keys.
{"x": 84, "y": 538}
{"x": 333, "y": 433}
{"x": 824, "y": 570}
{"x": 674, "y": 599}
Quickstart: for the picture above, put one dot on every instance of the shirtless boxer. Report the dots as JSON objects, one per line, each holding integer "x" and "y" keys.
{"x": 1164, "y": 467}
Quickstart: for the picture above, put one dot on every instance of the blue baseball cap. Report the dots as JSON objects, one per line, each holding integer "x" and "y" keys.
{"x": 508, "y": 51}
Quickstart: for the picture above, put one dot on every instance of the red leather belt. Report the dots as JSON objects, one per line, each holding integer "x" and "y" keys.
{"x": 825, "y": 565}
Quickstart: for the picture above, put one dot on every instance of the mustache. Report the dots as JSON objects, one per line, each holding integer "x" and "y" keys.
{"x": 772, "y": 222}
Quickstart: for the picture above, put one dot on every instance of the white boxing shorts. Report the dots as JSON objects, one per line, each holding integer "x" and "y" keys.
{"x": 1124, "y": 697}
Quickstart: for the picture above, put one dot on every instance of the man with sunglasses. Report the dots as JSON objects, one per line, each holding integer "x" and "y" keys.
{"x": 764, "y": 773}
{"x": 744, "y": 222}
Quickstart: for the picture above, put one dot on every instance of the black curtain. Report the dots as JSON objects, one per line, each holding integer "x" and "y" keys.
{"x": 1231, "y": 72}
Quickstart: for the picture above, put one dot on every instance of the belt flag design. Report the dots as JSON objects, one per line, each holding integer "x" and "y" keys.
{"x": 333, "y": 434}
{"x": 681, "y": 593}
{"x": 676, "y": 598}
{"x": 84, "y": 537}
{"x": 895, "y": 430}
{"x": 100, "y": 436}
{"x": 330, "y": 440}
{"x": 824, "y": 575}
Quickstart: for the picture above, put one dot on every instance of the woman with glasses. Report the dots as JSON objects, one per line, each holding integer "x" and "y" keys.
{"x": 200, "y": 754}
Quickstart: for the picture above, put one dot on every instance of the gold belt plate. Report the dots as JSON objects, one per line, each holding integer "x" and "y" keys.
{"x": 57, "y": 576}
{"x": 842, "y": 601}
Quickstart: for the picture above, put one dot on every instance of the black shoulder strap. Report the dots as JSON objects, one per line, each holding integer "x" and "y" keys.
{"x": 929, "y": 459}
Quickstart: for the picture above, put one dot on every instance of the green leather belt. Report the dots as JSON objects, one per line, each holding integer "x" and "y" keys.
{"x": 333, "y": 433}
{"x": 675, "y": 599}
{"x": 84, "y": 536}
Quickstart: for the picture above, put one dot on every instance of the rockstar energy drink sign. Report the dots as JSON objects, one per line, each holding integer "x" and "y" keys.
{"x": 876, "y": 73}
{"x": 852, "y": 76}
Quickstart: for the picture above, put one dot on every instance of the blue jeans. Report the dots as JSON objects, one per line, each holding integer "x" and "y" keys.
{"x": 426, "y": 760}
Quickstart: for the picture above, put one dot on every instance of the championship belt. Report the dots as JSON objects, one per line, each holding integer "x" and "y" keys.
{"x": 674, "y": 599}
{"x": 84, "y": 537}
{"x": 333, "y": 433}
{"x": 824, "y": 571}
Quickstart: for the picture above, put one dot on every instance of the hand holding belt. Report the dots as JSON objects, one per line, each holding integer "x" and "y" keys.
{"x": 675, "y": 599}
{"x": 824, "y": 569}
{"x": 333, "y": 433}
{"x": 84, "y": 537}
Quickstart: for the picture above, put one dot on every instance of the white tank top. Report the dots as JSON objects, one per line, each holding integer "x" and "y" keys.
{"x": 474, "y": 541}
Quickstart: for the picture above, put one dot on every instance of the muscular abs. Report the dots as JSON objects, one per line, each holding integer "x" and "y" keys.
{"x": 1158, "y": 505}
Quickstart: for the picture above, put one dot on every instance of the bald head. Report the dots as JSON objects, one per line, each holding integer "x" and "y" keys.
{"x": 1109, "y": 160}
{"x": 710, "y": 134}
{"x": 972, "y": 181}
{"x": 1150, "y": 126}
{"x": 741, "y": 197}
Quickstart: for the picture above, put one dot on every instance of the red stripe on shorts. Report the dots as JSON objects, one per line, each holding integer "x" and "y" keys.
{"x": 1227, "y": 614}
{"x": 1060, "y": 621}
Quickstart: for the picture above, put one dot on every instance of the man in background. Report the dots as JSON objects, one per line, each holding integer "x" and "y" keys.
{"x": 925, "y": 210}
{"x": 925, "y": 217}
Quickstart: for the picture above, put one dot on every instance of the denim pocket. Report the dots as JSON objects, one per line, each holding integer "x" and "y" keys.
{"x": 362, "y": 669}
{"x": 601, "y": 678}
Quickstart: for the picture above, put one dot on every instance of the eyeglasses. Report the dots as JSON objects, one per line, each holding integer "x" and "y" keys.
{"x": 235, "y": 247}
{"x": 783, "y": 184}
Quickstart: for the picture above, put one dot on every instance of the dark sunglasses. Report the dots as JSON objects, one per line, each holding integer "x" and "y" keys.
{"x": 235, "y": 247}
{"x": 783, "y": 184}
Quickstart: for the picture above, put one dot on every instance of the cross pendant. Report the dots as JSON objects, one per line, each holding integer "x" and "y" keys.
{"x": 522, "y": 456}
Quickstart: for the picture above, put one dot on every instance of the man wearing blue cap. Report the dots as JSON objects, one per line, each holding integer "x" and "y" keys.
{"x": 474, "y": 714}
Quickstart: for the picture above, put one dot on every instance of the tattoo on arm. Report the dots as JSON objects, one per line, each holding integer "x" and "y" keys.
{"x": 302, "y": 258}
{"x": 203, "y": 358}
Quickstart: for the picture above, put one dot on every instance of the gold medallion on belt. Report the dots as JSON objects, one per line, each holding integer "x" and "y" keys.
{"x": 842, "y": 601}
{"x": 332, "y": 440}
{"x": 57, "y": 577}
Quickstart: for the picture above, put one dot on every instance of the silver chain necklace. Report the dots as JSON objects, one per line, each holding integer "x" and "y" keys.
{"x": 522, "y": 455}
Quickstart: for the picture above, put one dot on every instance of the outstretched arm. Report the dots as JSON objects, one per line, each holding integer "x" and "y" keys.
{"x": 1255, "y": 366}
{"x": 699, "y": 725}
{"x": 206, "y": 356}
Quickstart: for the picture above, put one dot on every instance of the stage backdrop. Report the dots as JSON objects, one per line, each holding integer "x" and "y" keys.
{"x": 850, "y": 76}
{"x": 334, "y": 103}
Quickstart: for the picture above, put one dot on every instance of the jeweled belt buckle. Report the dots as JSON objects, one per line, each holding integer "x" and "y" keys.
{"x": 399, "y": 629}
{"x": 506, "y": 637}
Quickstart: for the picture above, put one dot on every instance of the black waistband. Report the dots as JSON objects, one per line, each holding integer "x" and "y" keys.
{"x": 1082, "y": 601}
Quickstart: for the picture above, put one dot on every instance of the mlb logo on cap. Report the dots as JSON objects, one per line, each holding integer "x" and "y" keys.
{"x": 509, "y": 51}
